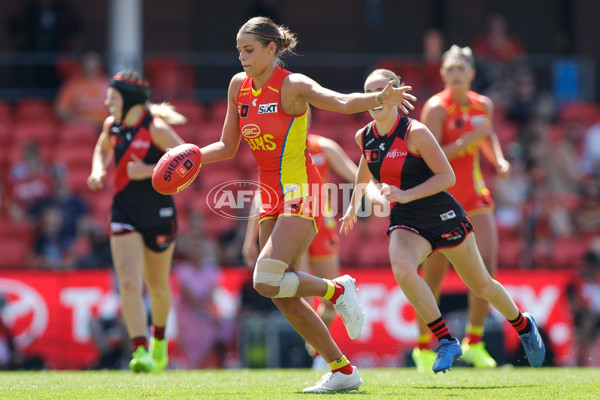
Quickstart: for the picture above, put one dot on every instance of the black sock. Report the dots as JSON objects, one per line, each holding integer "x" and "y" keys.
{"x": 439, "y": 329}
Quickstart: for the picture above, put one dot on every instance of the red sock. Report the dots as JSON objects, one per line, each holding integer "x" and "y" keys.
{"x": 338, "y": 291}
{"x": 158, "y": 332}
{"x": 521, "y": 324}
{"x": 473, "y": 339}
{"x": 439, "y": 329}
{"x": 346, "y": 370}
{"x": 139, "y": 341}
{"x": 424, "y": 342}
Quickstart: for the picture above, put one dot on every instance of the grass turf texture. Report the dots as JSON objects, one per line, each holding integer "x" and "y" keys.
{"x": 403, "y": 383}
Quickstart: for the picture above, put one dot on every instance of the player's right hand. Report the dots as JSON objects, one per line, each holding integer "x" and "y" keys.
{"x": 96, "y": 180}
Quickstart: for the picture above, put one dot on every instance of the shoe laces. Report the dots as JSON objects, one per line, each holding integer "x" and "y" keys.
{"x": 344, "y": 308}
{"x": 324, "y": 379}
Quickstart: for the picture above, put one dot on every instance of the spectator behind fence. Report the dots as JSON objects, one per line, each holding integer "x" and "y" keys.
{"x": 590, "y": 162}
{"x": 201, "y": 329}
{"x": 495, "y": 52}
{"x": 496, "y": 45}
{"x": 74, "y": 210}
{"x": 29, "y": 181}
{"x": 52, "y": 249}
{"x": 584, "y": 296}
{"x": 81, "y": 98}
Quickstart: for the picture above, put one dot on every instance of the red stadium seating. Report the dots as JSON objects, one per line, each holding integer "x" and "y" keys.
{"x": 71, "y": 134}
{"x": 6, "y": 134}
{"x": 6, "y": 112}
{"x": 39, "y": 131}
{"x": 75, "y": 157}
{"x": 78, "y": 178}
{"x": 510, "y": 253}
{"x": 191, "y": 109}
{"x": 101, "y": 202}
{"x": 33, "y": 109}
{"x": 217, "y": 111}
{"x": 14, "y": 253}
{"x": 15, "y": 229}
{"x": 169, "y": 78}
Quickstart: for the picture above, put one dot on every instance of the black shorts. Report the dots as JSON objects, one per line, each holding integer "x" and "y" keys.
{"x": 443, "y": 223}
{"x": 451, "y": 238}
{"x": 157, "y": 238}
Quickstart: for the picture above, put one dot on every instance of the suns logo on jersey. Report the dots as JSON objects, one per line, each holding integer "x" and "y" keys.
{"x": 251, "y": 133}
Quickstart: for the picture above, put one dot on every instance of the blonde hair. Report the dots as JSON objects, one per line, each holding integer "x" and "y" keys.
{"x": 167, "y": 112}
{"x": 456, "y": 51}
{"x": 386, "y": 73}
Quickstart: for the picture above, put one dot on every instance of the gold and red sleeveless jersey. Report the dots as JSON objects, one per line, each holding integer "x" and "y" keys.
{"x": 318, "y": 155}
{"x": 470, "y": 189}
{"x": 277, "y": 141}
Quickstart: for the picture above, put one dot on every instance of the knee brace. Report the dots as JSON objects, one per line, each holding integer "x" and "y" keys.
{"x": 272, "y": 272}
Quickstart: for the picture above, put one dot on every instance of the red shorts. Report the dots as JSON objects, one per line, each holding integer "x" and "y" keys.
{"x": 305, "y": 207}
{"x": 326, "y": 242}
{"x": 480, "y": 203}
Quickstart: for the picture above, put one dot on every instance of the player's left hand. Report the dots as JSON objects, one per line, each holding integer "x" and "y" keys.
{"x": 394, "y": 194}
{"x": 138, "y": 169}
{"x": 348, "y": 220}
{"x": 398, "y": 97}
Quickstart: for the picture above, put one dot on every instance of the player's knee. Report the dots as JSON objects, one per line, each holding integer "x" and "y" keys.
{"x": 484, "y": 290}
{"x": 130, "y": 286}
{"x": 266, "y": 290}
{"x": 271, "y": 280}
{"x": 403, "y": 271}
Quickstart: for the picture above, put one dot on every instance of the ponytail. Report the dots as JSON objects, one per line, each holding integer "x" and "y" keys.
{"x": 167, "y": 112}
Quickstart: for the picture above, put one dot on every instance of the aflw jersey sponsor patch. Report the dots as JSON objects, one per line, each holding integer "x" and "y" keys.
{"x": 270, "y": 108}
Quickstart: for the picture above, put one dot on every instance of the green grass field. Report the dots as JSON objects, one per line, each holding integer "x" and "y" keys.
{"x": 403, "y": 383}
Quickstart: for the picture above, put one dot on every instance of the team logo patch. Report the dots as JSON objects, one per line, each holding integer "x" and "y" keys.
{"x": 372, "y": 155}
{"x": 250, "y": 131}
{"x": 448, "y": 215}
{"x": 270, "y": 108}
{"x": 453, "y": 235}
{"x": 244, "y": 110}
{"x": 185, "y": 167}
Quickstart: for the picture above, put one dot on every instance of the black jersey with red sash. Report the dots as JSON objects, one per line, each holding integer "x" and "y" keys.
{"x": 136, "y": 202}
{"x": 390, "y": 161}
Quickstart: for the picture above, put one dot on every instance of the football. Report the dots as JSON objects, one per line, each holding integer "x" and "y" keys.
{"x": 177, "y": 168}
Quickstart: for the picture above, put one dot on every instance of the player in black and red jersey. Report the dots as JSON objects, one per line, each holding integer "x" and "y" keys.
{"x": 404, "y": 156}
{"x": 143, "y": 222}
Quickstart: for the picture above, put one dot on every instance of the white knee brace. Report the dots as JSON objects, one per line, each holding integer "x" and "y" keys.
{"x": 272, "y": 272}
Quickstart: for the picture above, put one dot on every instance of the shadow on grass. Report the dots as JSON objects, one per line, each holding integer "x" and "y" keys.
{"x": 471, "y": 387}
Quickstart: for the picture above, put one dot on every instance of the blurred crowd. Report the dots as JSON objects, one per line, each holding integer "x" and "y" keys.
{"x": 548, "y": 210}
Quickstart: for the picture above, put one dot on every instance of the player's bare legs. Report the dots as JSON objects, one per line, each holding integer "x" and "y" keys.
{"x": 288, "y": 241}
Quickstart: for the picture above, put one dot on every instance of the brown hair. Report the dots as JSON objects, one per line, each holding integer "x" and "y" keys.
{"x": 267, "y": 31}
{"x": 387, "y": 74}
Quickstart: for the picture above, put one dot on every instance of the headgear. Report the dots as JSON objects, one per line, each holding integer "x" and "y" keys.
{"x": 133, "y": 92}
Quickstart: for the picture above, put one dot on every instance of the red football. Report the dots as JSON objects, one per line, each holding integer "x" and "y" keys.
{"x": 177, "y": 168}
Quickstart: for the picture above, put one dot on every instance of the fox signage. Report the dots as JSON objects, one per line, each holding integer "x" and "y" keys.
{"x": 50, "y": 312}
